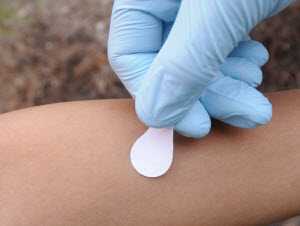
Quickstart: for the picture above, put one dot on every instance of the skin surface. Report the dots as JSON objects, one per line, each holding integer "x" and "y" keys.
{"x": 68, "y": 165}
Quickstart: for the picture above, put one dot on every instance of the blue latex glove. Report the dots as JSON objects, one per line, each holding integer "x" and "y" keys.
{"x": 202, "y": 65}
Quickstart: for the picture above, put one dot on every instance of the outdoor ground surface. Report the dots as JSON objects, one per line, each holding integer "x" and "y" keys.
{"x": 53, "y": 51}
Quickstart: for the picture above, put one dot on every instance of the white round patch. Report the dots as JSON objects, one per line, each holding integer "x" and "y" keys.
{"x": 152, "y": 153}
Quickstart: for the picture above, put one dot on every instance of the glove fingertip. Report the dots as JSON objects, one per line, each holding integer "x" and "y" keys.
{"x": 259, "y": 118}
{"x": 196, "y": 124}
{"x": 154, "y": 114}
{"x": 236, "y": 103}
{"x": 146, "y": 118}
{"x": 194, "y": 131}
{"x": 243, "y": 70}
{"x": 252, "y": 50}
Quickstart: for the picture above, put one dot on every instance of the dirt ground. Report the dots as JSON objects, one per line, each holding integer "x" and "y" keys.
{"x": 54, "y": 51}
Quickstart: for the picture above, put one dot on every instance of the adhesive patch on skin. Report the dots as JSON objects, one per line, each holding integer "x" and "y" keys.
{"x": 152, "y": 153}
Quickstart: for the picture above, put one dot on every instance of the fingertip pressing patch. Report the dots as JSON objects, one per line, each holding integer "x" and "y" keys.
{"x": 152, "y": 154}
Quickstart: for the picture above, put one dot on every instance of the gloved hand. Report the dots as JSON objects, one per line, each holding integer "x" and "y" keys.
{"x": 176, "y": 78}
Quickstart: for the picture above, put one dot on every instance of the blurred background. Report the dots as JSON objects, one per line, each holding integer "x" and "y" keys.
{"x": 54, "y": 51}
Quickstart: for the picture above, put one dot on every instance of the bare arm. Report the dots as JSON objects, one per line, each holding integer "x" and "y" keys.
{"x": 67, "y": 165}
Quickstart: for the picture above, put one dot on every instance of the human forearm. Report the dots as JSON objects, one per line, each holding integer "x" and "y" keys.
{"x": 68, "y": 164}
